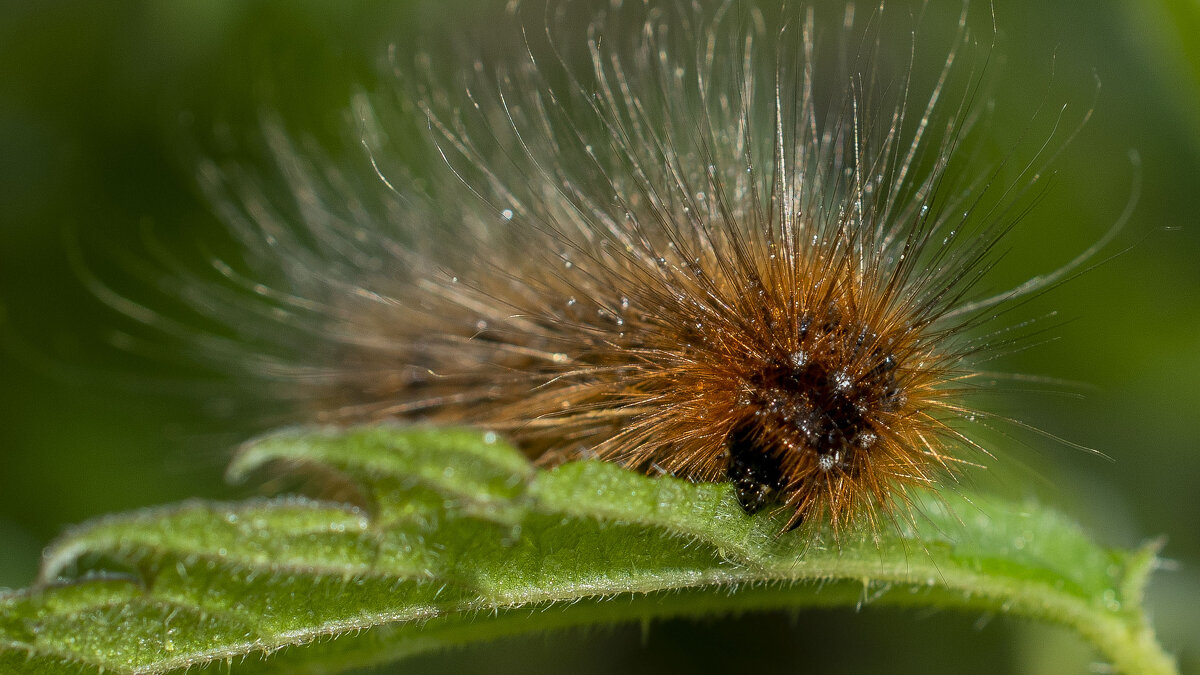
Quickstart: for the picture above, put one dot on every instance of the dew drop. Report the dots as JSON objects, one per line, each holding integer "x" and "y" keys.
{"x": 842, "y": 381}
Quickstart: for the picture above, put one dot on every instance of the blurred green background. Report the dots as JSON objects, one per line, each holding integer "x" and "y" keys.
{"x": 100, "y": 106}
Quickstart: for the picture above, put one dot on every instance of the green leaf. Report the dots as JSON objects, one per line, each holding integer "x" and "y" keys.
{"x": 449, "y": 537}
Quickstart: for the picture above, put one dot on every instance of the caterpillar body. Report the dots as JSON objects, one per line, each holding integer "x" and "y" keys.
{"x": 708, "y": 245}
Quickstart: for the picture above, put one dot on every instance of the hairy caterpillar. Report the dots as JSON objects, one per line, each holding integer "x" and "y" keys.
{"x": 710, "y": 246}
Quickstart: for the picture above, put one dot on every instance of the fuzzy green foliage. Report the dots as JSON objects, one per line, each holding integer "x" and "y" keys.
{"x": 446, "y": 537}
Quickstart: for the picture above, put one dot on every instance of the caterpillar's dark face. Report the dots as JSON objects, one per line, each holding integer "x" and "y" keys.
{"x": 817, "y": 410}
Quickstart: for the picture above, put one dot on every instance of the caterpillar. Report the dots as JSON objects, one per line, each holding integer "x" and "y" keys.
{"x": 719, "y": 243}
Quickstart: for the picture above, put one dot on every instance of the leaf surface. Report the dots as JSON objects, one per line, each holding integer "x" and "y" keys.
{"x": 445, "y": 537}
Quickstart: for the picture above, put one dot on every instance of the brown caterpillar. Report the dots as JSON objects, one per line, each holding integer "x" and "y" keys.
{"x": 712, "y": 246}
